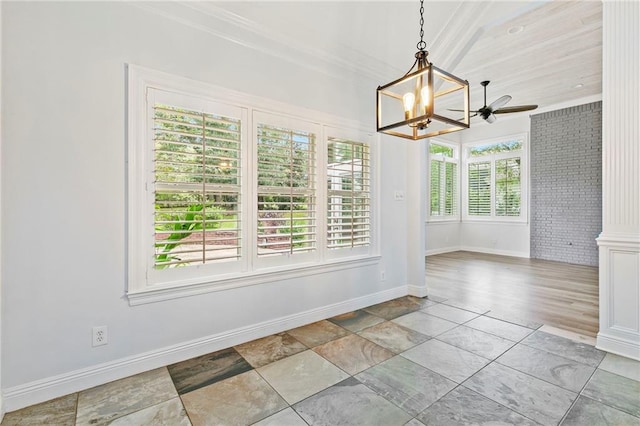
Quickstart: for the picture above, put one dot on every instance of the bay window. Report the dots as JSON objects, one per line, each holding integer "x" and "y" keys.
{"x": 495, "y": 180}
{"x": 443, "y": 181}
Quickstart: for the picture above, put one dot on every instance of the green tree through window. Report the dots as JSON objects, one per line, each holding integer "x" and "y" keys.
{"x": 196, "y": 189}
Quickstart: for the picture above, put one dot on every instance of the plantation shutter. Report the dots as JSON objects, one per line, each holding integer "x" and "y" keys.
{"x": 507, "y": 187}
{"x": 348, "y": 194}
{"x": 286, "y": 193}
{"x": 450, "y": 189}
{"x": 435, "y": 187}
{"x": 197, "y": 186}
{"x": 479, "y": 189}
{"x": 443, "y": 188}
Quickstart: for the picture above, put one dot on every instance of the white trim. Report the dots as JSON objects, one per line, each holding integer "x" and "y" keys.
{"x": 618, "y": 240}
{"x": 1, "y": 351}
{"x": 494, "y": 251}
{"x": 443, "y": 219}
{"x": 616, "y": 286}
{"x": 455, "y": 159}
{"x": 157, "y": 294}
{"x": 618, "y": 345}
{"x": 221, "y": 23}
{"x": 442, "y": 250}
{"x": 43, "y": 390}
{"x": 568, "y": 104}
{"x": 142, "y": 77}
{"x": 417, "y": 290}
{"x": 619, "y": 243}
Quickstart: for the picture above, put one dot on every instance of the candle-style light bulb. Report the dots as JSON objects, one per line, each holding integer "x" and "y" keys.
{"x": 425, "y": 99}
{"x": 409, "y": 100}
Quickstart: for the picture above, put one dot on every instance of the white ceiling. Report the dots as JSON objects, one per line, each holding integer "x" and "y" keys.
{"x": 554, "y": 58}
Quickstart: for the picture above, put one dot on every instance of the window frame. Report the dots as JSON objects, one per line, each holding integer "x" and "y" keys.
{"x": 455, "y": 159}
{"x": 362, "y": 137}
{"x": 142, "y": 286}
{"x": 277, "y": 120}
{"x": 492, "y": 158}
{"x": 169, "y": 276}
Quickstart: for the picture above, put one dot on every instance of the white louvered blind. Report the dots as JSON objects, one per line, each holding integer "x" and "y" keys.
{"x": 507, "y": 187}
{"x": 443, "y": 188}
{"x": 196, "y": 187}
{"x": 479, "y": 189}
{"x": 348, "y": 194}
{"x": 435, "y": 187}
{"x": 286, "y": 195}
{"x": 450, "y": 190}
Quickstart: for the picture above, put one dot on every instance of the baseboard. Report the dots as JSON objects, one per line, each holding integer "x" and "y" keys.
{"x": 441, "y": 250}
{"x": 494, "y": 251}
{"x": 618, "y": 346}
{"x": 53, "y": 387}
{"x": 417, "y": 290}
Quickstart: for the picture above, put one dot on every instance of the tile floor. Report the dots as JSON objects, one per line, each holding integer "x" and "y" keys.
{"x": 408, "y": 361}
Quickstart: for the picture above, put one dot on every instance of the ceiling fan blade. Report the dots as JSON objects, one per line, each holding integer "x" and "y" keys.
{"x": 518, "y": 108}
{"x": 503, "y": 100}
{"x": 490, "y": 118}
{"x": 461, "y": 110}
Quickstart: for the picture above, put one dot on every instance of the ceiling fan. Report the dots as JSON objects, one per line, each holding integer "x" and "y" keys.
{"x": 487, "y": 112}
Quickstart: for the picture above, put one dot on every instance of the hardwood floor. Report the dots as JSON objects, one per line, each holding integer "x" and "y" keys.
{"x": 553, "y": 293}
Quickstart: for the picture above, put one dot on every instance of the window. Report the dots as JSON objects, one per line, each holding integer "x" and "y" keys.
{"x": 443, "y": 181}
{"x": 507, "y": 191}
{"x": 224, "y": 193}
{"x": 494, "y": 180}
{"x": 286, "y": 190}
{"x": 196, "y": 187}
{"x": 479, "y": 189}
{"x": 348, "y": 194}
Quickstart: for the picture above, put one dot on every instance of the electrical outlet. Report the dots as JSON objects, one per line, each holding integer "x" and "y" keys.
{"x": 383, "y": 276}
{"x": 100, "y": 336}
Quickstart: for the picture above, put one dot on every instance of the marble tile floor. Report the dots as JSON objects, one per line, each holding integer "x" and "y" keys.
{"x": 408, "y": 361}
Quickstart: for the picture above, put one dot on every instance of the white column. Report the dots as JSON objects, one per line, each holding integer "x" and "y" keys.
{"x": 1, "y": 401}
{"x": 416, "y": 216}
{"x": 619, "y": 241}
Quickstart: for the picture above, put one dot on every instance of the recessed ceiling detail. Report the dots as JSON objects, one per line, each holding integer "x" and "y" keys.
{"x": 363, "y": 43}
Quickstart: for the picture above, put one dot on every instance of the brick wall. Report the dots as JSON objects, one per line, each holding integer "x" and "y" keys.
{"x": 566, "y": 184}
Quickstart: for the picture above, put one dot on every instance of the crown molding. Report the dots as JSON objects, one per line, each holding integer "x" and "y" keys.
{"x": 452, "y": 43}
{"x": 224, "y": 24}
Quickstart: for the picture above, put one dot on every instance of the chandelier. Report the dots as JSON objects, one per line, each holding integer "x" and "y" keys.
{"x": 419, "y": 104}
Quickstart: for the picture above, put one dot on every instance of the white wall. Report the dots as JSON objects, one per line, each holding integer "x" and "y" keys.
{"x": 500, "y": 238}
{"x": 510, "y": 239}
{"x": 442, "y": 237}
{"x": 63, "y": 199}
{"x": 394, "y": 230}
{"x": 416, "y": 164}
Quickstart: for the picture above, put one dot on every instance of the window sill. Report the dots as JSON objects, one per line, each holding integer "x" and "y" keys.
{"x": 443, "y": 220}
{"x": 158, "y": 293}
{"x": 497, "y": 221}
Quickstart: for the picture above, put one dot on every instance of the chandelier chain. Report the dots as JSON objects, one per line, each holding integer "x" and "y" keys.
{"x": 421, "y": 44}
